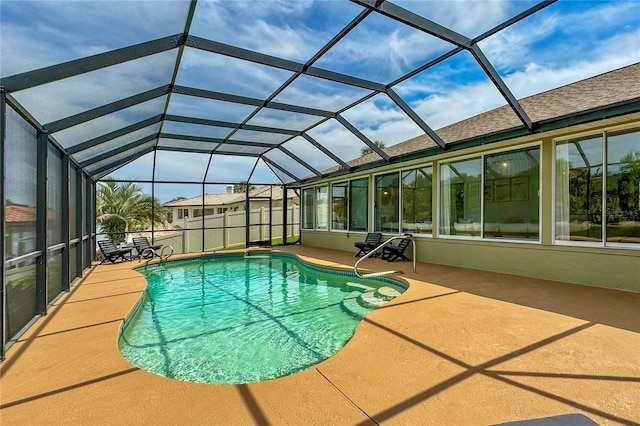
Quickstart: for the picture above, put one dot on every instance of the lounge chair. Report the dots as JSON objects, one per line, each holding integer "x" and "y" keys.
{"x": 142, "y": 243}
{"x": 111, "y": 252}
{"x": 370, "y": 243}
{"x": 391, "y": 252}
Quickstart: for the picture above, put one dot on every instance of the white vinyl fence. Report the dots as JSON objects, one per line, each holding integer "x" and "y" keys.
{"x": 231, "y": 232}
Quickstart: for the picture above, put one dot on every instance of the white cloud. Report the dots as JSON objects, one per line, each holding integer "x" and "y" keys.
{"x": 469, "y": 18}
{"x": 43, "y": 33}
{"x": 77, "y": 94}
{"x": 557, "y": 36}
{"x": 225, "y": 74}
{"x": 379, "y": 119}
{"x": 337, "y": 139}
{"x": 276, "y": 27}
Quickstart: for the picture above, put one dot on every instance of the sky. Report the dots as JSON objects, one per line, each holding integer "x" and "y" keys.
{"x": 565, "y": 42}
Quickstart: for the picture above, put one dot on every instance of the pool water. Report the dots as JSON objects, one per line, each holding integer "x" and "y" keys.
{"x": 237, "y": 320}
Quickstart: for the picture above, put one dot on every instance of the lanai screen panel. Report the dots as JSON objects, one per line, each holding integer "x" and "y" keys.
{"x": 247, "y": 78}
{"x": 38, "y": 34}
{"x": 103, "y": 128}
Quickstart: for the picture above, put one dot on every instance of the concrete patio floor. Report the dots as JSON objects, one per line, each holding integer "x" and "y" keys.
{"x": 459, "y": 347}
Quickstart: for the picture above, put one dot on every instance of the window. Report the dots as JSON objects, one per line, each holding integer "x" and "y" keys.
{"x": 417, "y": 200}
{"x": 591, "y": 193}
{"x": 359, "y": 204}
{"x": 339, "y": 205}
{"x": 209, "y": 212}
{"x": 221, "y": 210}
{"x": 197, "y": 212}
{"x": 349, "y": 205}
{"x": 579, "y": 190}
{"x": 307, "y": 208}
{"x": 460, "y": 203}
{"x": 386, "y": 203}
{"x": 623, "y": 188}
{"x": 180, "y": 213}
{"x": 322, "y": 207}
{"x": 511, "y": 200}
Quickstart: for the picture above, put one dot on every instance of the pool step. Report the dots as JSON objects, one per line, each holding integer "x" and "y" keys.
{"x": 387, "y": 293}
{"x": 358, "y": 286}
{"x": 369, "y": 300}
{"x": 360, "y": 304}
{"x": 351, "y": 306}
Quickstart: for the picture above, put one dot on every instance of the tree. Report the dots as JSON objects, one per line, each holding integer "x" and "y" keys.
{"x": 242, "y": 187}
{"x": 176, "y": 199}
{"x": 368, "y": 150}
{"x": 124, "y": 207}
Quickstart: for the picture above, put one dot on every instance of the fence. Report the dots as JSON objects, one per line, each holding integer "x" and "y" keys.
{"x": 227, "y": 230}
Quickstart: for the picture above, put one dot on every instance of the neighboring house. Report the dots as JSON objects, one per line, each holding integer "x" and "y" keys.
{"x": 20, "y": 230}
{"x": 192, "y": 207}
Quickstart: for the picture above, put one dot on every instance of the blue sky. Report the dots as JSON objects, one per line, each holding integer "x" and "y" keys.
{"x": 566, "y": 42}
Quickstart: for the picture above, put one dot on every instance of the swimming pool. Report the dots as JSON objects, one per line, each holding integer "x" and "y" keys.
{"x": 245, "y": 318}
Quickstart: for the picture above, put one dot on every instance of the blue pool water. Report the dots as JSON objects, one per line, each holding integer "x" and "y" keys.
{"x": 231, "y": 319}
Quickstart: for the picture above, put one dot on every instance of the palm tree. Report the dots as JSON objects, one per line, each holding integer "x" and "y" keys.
{"x": 368, "y": 150}
{"x": 242, "y": 187}
{"x": 124, "y": 207}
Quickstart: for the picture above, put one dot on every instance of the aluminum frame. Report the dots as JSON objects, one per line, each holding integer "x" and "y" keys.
{"x": 185, "y": 40}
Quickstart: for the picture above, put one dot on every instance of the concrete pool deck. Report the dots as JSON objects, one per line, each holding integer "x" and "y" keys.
{"x": 460, "y": 347}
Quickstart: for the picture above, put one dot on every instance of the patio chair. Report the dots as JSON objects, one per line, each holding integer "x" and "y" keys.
{"x": 142, "y": 243}
{"x": 391, "y": 252}
{"x": 370, "y": 243}
{"x": 112, "y": 253}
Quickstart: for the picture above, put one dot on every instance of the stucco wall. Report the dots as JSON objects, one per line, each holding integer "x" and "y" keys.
{"x": 608, "y": 268}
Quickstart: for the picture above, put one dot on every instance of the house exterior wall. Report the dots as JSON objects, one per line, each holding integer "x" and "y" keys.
{"x": 545, "y": 258}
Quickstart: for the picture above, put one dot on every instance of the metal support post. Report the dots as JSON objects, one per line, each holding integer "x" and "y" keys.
{"x": 285, "y": 213}
{"x": 41, "y": 223}
{"x": 3, "y": 135}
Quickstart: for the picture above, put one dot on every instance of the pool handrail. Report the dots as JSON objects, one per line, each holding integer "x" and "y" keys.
{"x": 164, "y": 257}
{"x": 372, "y": 252}
{"x": 150, "y": 253}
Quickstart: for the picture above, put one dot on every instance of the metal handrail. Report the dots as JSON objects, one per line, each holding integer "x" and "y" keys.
{"x": 23, "y": 258}
{"x": 372, "y": 252}
{"x": 151, "y": 253}
{"x": 164, "y": 257}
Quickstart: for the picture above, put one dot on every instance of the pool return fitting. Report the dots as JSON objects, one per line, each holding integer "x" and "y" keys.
{"x": 372, "y": 252}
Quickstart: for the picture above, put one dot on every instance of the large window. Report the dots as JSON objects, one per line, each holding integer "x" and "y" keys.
{"x": 359, "y": 205}
{"x": 322, "y": 207}
{"x": 349, "y": 205}
{"x": 387, "y": 193}
{"x": 460, "y": 197}
{"x": 623, "y": 188}
{"x": 339, "y": 205}
{"x": 404, "y": 201}
{"x": 511, "y": 200}
{"x": 307, "y": 208}
{"x": 417, "y": 192}
{"x": 589, "y": 171}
